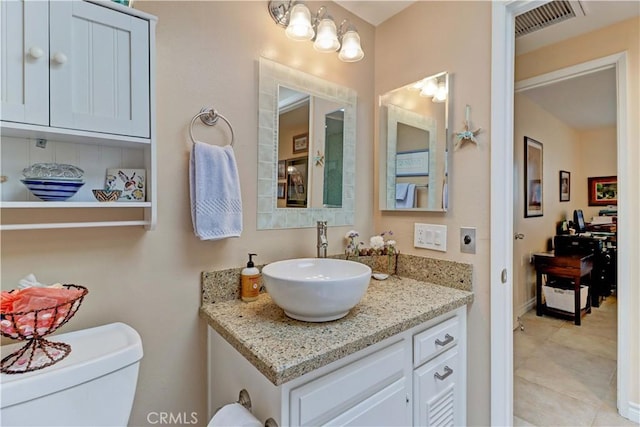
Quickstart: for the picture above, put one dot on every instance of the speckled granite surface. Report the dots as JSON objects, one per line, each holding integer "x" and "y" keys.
{"x": 224, "y": 285}
{"x": 283, "y": 349}
{"x": 439, "y": 271}
{"x": 221, "y": 285}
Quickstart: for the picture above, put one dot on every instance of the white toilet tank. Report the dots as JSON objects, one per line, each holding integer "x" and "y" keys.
{"x": 93, "y": 386}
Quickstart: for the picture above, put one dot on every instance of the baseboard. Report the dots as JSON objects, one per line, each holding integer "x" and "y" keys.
{"x": 634, "y": 412}
{"x": 526, "y": 307}
{"x": 519, "y": 311}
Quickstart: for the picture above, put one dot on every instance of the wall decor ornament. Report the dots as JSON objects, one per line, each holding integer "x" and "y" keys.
{"x": 565, "y": 186}
{"x": 533, "y": 178}
{"x": 281, "y": 190}
{"x": 301, "y": 143}
{"x": 282, "y": 174}
{"x": 131, "y": 182}
{"x": 603, "y": 190}
{"x": 467, "y": 135}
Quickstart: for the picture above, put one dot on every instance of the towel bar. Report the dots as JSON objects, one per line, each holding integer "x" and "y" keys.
{"x": 209, "y": 116}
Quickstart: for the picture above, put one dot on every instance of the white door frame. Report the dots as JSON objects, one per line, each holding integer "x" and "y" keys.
{"x": 502, "y": 91}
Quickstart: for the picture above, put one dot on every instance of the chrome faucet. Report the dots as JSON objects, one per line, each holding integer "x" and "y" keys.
{"x": 323, "y": 243}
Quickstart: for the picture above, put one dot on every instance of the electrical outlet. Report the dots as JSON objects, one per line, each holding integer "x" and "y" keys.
{"x": 430, "y": 236}
{"x": 468, "y": 240}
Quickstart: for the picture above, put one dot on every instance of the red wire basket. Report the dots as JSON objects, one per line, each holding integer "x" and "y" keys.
{"x": 32, "y": 326}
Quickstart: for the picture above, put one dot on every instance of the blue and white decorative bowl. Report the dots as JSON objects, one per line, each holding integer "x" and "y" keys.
{"x": 53, "y": 189}
{"x": 53, "y": 171}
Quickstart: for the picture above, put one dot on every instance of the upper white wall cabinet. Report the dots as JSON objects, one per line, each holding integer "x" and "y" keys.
{"x": 80, "y": 75}
{"x": 75, "y": 65}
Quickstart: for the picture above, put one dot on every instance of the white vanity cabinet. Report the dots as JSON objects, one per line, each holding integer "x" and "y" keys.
{"x": 391, "y": 383}
{"x": 439, "y": 375}
{"x": 77, "y": 87}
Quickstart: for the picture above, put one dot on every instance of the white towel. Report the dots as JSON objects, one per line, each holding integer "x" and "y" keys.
{"x": 234, "y": 415}
{"x": 216, "y": 202}
{"x": 407, "y": 191}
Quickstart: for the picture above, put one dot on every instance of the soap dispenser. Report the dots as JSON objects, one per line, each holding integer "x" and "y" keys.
{"x": 250, "y": 281}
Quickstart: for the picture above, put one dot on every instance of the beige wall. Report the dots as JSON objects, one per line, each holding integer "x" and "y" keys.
{"x": 583, "y": 154}
{"x": 621, "y": 37}
{"x": 560, "y": 145}
{"x": 151, "y": 279}
{"x": 207, "y": 55}
{"x": 598, "y": 157}
{"x": 425, "y": 39}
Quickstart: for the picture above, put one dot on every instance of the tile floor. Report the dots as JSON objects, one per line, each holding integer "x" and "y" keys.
{"x": 565, "y": 375}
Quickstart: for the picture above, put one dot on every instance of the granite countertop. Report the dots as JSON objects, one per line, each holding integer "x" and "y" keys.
{"x": 284, "y": 349}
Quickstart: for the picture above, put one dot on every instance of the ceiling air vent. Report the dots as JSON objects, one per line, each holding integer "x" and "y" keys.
{"x": 548, "y": 14}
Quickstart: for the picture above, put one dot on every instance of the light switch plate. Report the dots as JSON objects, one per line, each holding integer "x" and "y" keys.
{"x": 468, "y": 240}
{"x": 430, "y": 236}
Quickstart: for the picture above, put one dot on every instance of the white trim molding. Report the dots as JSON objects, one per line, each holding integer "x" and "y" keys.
{"x": 502, "y": 111}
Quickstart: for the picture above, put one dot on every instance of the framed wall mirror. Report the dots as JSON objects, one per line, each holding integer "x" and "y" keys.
{"x": 414, "y": 138}
{"x": 307, "y": 124}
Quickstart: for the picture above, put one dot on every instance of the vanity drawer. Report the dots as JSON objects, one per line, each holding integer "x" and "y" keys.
{"x": 434, "y": 340}
{"x": 321, "y": 400}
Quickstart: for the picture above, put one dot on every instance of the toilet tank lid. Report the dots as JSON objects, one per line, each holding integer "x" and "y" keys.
{"x": 94, "y": 352}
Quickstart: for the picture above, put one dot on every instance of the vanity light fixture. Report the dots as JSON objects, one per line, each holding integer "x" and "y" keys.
{"x": 432, "y": 87}
{"x": 429, "y": 88}
{"x": 441, "y": 93}
{"x": 321, "y": 29}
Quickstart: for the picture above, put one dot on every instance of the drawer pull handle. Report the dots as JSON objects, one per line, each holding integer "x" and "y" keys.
{"x": 447, "y": 371}
{"x": 447, "y": 339}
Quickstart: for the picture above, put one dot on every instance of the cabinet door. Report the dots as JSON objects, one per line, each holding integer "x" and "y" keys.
{"x": 374, "y": 383}
{"x": 437, "y": 392}
{"x": 99, "y": 69}
{"x": 388, "y": 407}
{"x": 24, "y": 31}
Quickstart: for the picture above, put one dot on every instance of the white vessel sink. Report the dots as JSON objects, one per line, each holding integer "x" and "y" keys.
{"x": 316, "y": 289}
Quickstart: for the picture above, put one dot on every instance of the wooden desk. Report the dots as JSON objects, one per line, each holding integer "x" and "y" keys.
{"x": 573, "y": 267}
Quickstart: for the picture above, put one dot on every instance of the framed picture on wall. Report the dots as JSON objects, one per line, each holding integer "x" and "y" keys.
{"x": 301, "y": 143}
{"x": 412, "y": 163}
{"x": 281, "y": 170}
{"x": 297, "y": 175}
{"x": 533, "y": 178}
{"x": 565, "y": 186}
{"x": 603, "y": 190}
{"x": 281, "y": 189}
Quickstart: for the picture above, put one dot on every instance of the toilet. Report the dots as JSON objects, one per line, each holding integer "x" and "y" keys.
{"x": 93, "y": 386}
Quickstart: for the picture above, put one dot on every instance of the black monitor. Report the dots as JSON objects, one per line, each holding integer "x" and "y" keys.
{"x": 578, "y": 221}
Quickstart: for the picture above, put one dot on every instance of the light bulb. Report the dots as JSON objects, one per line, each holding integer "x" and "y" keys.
{"x": 430, "y": 88}
{"x": 441, "y": 93}
{"x": 299, "y": 27}
{"x": 327, "y": 38}
{"x": 351, "y": 50}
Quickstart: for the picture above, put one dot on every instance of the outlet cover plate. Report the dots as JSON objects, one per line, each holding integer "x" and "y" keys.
{"x": 468, "y": 240}
{"x": 430, "y": 236}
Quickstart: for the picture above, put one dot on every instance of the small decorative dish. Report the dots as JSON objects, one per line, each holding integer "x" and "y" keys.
{"x": 106, "y": 195}
{"x": 380, "y": 276}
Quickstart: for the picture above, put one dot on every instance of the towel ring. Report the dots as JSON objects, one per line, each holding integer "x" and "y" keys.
{"x": 209, "y": 116}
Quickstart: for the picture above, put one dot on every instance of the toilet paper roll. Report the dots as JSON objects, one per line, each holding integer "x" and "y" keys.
{"x": 234, "y": 415}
